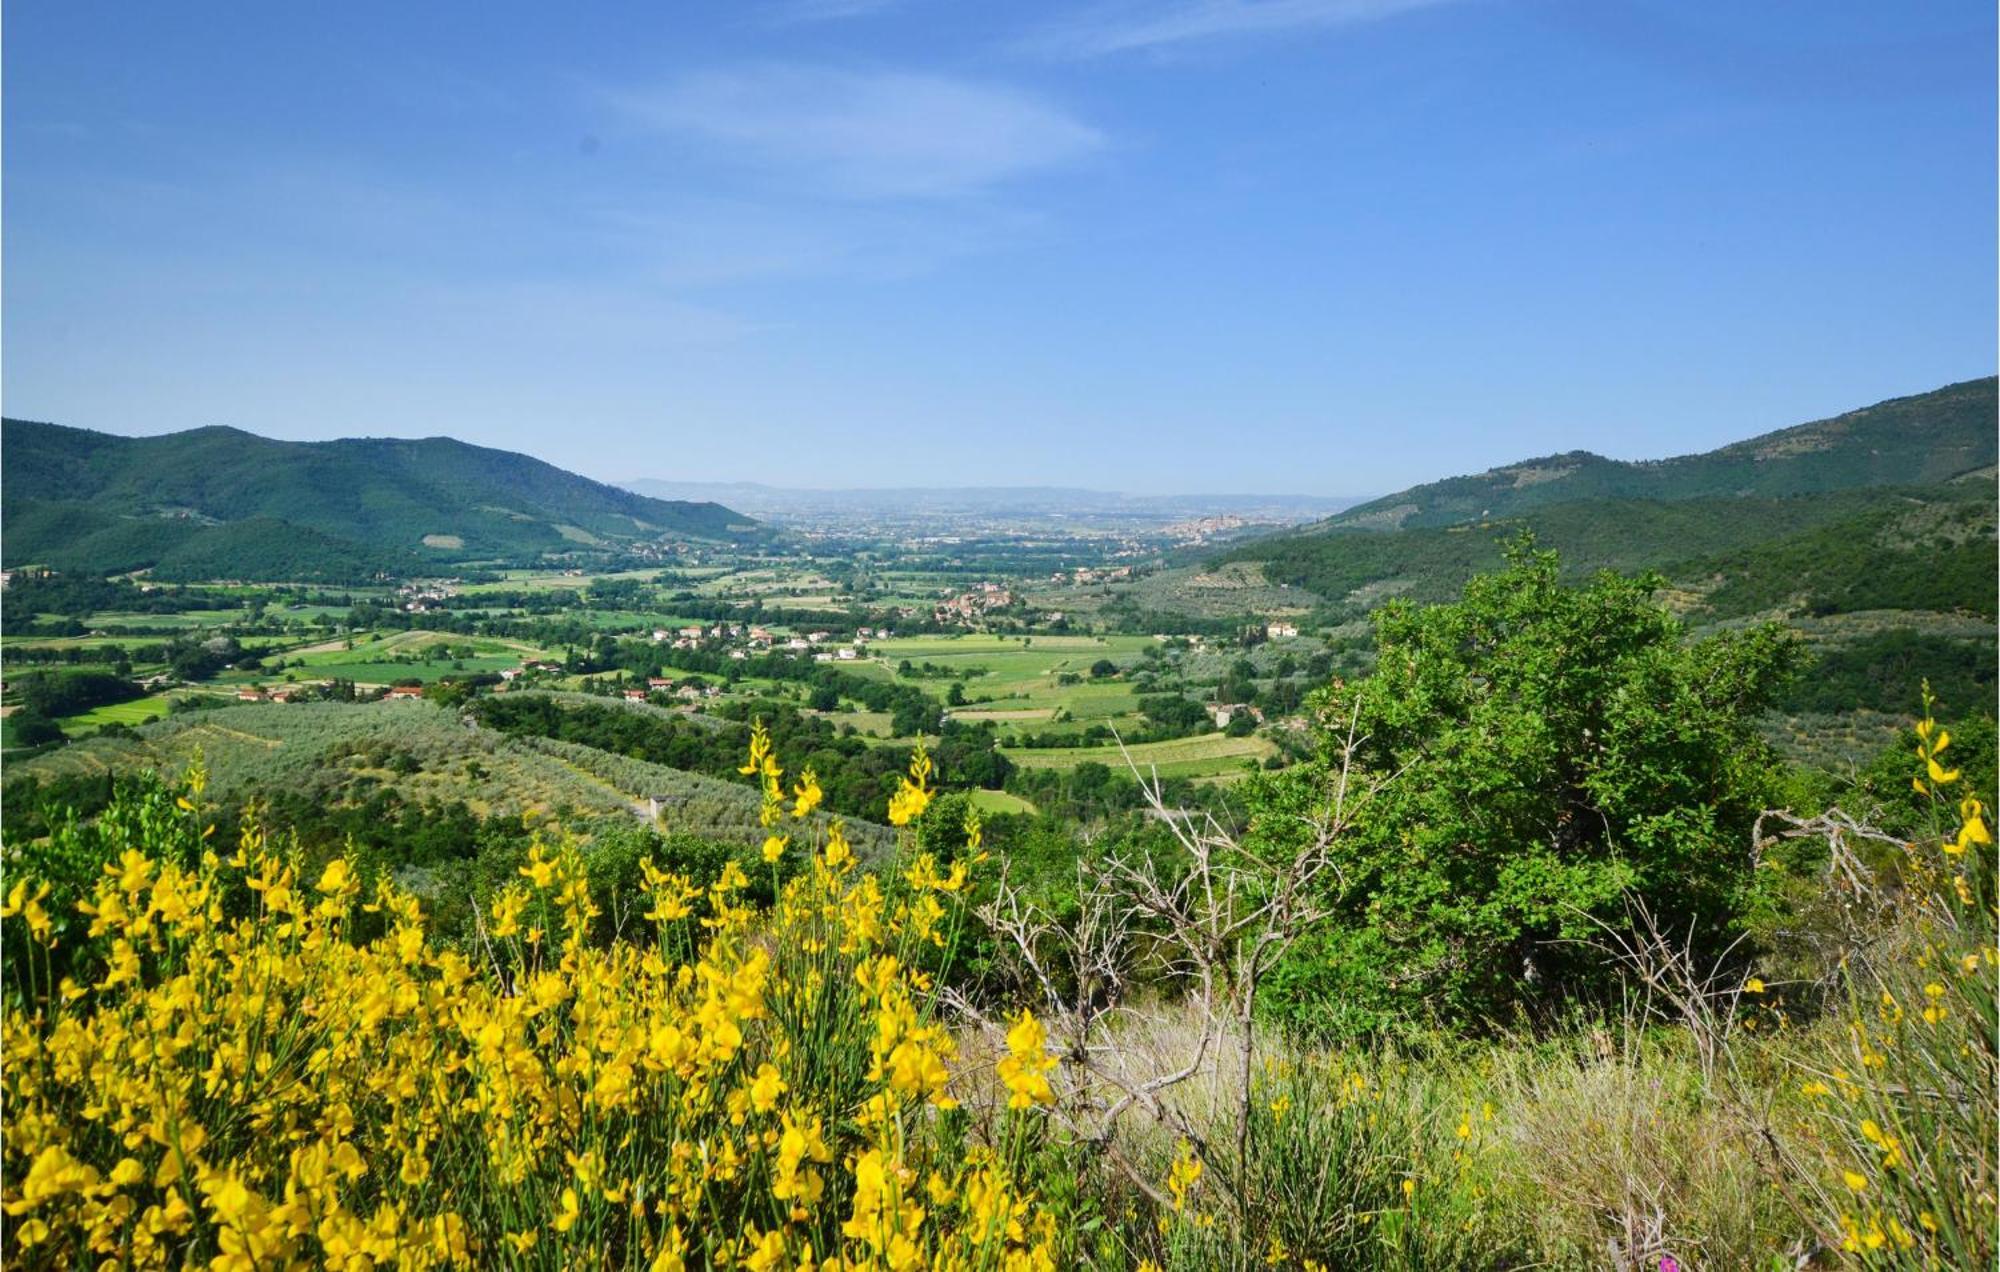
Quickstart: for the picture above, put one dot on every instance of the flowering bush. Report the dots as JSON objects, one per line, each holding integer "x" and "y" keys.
{"x": 248, "y": 1081}
{"x": 1905, "y": 1111}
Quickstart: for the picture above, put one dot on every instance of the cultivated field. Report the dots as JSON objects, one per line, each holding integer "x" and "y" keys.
{"x": 383, "y": 659}
{"x": 420, "y": 750}
{"x": 135, "y": 712}
{"x": 1210, "y": 755}
{"x": 1017, "y": 682}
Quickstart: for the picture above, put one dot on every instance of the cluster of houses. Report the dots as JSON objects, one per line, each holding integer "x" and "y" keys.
{"x": 511, "y": 674}
{"x": 1085, "y": 575}
{"x": 1224, "y": 712}
{"x": 841, "y": 653}
{"x": 693, "y": 635}
{"x": 1200, "y": 530}
{"x": 665, "y": 685}
{"x": 745, "y": 640}
{"x": 970, "y": 606}
{"x": 419, "y": 598}
{"x": 276, "y": 693}
{"x": 305, "y": 689}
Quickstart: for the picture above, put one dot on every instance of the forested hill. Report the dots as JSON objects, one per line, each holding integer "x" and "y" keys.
{"x": 179, "y": 504}
{"x": 1891, "y": 507}
{"x": 1908, "y": 441}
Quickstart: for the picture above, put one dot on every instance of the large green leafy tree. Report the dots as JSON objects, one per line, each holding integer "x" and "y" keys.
{"x": 1554, "y": 750}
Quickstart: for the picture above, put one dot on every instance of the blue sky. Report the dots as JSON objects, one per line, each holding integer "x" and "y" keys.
{"x": 1322, "y": 246}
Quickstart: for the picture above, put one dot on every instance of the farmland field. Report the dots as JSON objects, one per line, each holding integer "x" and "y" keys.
{"x": 547, "y": 580}
{"x": 1018, "y": 685}
{"x": 413, "y": 655}
{"x": 1000, "y": 802}
{"x": 135, "y": 712}
{"x": 326, "y": 747}
{"x": 192, "y": 619}
{"x": 1209, "y": 755}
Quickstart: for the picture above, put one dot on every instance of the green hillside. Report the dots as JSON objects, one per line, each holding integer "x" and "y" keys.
{"x": 1923, "y": 552}
{"x": 1909, "y": 441}
{"x": 342, "y": 753}
{"x": 190, "y": 504}
{"x": 1829, "y": 517}
{"x": 1829, "y": 553}
{"x": 80, "y": 538}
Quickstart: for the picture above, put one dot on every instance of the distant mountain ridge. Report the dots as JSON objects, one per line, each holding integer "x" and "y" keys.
{"x": 185, "y": 504}
{"x": 782, "y": 502}
{"x": 1906, "y": 441}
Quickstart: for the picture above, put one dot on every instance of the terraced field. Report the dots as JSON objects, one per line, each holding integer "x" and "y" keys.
{"x": 423, "y": 752}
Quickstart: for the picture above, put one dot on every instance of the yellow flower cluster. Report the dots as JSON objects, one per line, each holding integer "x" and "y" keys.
{"x": 1024, "y": 1069}
{"x": 274, "y": 1072}
{"x": 1932, "y": 740}
{"x": 913, "y": 793}
{"x": 1911, "y": 1126}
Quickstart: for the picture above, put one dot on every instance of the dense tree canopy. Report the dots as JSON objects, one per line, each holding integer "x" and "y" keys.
{"x": 1549, "y": 749}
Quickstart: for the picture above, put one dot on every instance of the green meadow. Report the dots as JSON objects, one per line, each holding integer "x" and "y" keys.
{"x": 414, "y": 655}
{"x": 136, "y": 712}
{"x": 1208, "y": 755}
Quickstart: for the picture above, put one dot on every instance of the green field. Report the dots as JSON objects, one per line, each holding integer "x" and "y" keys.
{"x": 633, "y": 620}
{"x": 135, "y": 712}
{"x": 1210, "y": 755}
{"x": 873, "y": 723}
{"x": 1016, "y": 683}
{"x": 1001, "y": 802}
{"x": 76, "y": 642}
{"x": 188, "y": 619}
{"x": 799, "y": 588}
{"x": 548, "y": 580}
{"x": 411, "y": 655}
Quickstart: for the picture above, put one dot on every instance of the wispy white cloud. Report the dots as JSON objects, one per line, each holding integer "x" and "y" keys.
{"x": 705, "y": 244}
{"x": 789, "y": 12}
{"x": 1126, "y": 26}
{"x": 865, "y": 134}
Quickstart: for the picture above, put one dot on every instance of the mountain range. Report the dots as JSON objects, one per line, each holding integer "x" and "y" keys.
{"x": 220, "y": 502}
